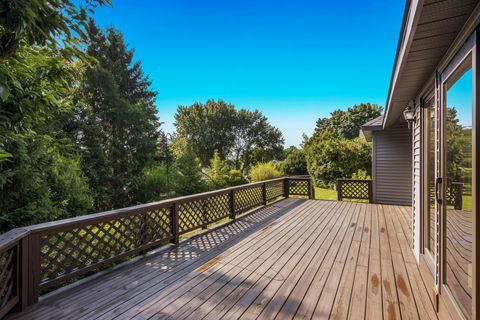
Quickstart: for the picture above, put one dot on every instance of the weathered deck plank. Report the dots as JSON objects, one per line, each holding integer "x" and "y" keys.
{"x": 296, "y": 259}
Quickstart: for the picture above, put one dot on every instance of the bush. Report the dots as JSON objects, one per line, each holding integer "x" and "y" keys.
{"x": 361, "y": 175}
{"x": 264, "y": 171}
{"x": 329, "y": 159}
{"x": 236, "y": 178}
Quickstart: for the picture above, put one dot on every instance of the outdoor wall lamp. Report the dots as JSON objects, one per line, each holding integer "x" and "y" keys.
{"x": 409, "y": 115}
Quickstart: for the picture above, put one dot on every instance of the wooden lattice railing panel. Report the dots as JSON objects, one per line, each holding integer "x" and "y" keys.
{"x": 248, "y": 198}
{"x": 66, "y": 251}
{"x": 8, "y": 289}
{"x": 11, "y": 270}
{"x": 275, "y": 190}
{"x": 202, "y": 211}
{"x": 217, "y": 207}
{"x": 158, "y": 226}
{"x": 354, "y": 189}
{"x": 39, "y": 257}
{"x": 191, "y": 215}
{"x": 299, "y": 187}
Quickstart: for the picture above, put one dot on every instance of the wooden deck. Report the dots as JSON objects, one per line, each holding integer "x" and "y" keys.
{"x": 294, "y": 259}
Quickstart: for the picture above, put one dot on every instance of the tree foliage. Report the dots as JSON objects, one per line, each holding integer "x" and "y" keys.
{"x": 335, "y": 151}
{"x": 347, "y": 124}
{"x": 41, "y": 176}
{"x": 41, "y": 182}
{"x": 115, "y": 124}
{"x": 264, "y": 171}
{"x": 43, "y": 23}
{"x": 188, "y": 176}
{"x": 295, "y": 162}
{"x": 329, "y": 159}
{"x": 218, "y": 172}
{"x": 240, "y": 136}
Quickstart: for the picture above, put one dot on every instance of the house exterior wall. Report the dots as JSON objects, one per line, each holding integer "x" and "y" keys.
{"x": 391, "y": 167}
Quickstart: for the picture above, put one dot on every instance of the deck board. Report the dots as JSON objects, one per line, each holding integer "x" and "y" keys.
{"x": 297, "y": 258}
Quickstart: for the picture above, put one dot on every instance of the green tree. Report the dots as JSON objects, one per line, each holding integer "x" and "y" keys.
{"x": 347, "y": 124}
{"x": 151, "y": 185}
{"x": 255, "y": 140}
{"x": 295, "y": 162}
{"x": 240, "y": 136}
{"x": 329, "y": 159}
{"x": 207, "y": 127}
{"x": 40, "y": 170}
{"x": 40, "y": 183}
{"x": 218, "y": 172}
{"x": 115, "y": 124}
{"x": 43, "y": 23}
{"x": 188, "y": 176}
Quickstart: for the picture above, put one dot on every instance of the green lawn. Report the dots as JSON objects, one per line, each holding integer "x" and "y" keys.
{"x": 325, "y": 194}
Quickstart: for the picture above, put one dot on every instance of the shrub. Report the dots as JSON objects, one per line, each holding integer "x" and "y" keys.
{"x": 361, "y": 175}
{"x": 264, "y": 171}
{"x": 235, "y": 178}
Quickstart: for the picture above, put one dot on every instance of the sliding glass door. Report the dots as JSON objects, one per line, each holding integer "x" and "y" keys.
{"x": 455, "y": 188}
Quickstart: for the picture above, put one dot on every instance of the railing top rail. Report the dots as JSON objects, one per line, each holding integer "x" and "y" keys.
{"x": 11, "y": 237}
{"x": 355, "y": 180}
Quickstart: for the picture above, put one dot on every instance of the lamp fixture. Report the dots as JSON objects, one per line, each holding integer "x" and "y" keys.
{"x": 409, "y": 115}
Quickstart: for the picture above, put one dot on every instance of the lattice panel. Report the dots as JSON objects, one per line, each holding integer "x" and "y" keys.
{"x": 80, "y": 247}
{"x": 217, "y": 207}
{"x": 7, "y": 280}
{"x": 248, "y": 198}
{"x": 191, "y": 215}
{"x": 298, "y": 187}
{"x": 158, "y": 225}
{"x": 355, "y": 190}
{"x": 275, "y": 190}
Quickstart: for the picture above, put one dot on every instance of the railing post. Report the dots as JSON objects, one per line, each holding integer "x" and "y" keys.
{"x": 143, "y": 229}
{"x": 309, "y": 183}
{"x": 35, "y": 273}
{"x": 23, "y": 274}
{"x": 232, "y": 204}
{"x": 286, "y": 186}
{"x": 370, "y": 191}
{"x": 339, "y": 190}
{"x": 264, "y": 193}
{"x": 175, "y": 227}
{"x": 204, "y": 213}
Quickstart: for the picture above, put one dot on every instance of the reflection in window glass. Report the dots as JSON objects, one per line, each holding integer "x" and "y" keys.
{"x": 458, "y": 197}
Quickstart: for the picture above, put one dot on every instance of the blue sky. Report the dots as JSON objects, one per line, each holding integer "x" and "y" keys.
{"x": 295, "y": 61}
{"x": 460, "y": 97}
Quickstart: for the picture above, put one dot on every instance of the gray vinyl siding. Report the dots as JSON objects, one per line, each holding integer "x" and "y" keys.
{"x": 392, "y": 163}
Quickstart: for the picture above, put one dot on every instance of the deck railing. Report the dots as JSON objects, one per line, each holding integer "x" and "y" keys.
{"x": 354, "y": 189}
{"x": 39, "y": 257}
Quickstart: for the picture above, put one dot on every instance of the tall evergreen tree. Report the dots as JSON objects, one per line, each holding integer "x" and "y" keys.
{"x": 115, "y": 125}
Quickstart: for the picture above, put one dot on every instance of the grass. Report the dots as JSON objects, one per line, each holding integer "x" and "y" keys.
{"x": 325, "y": 194}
